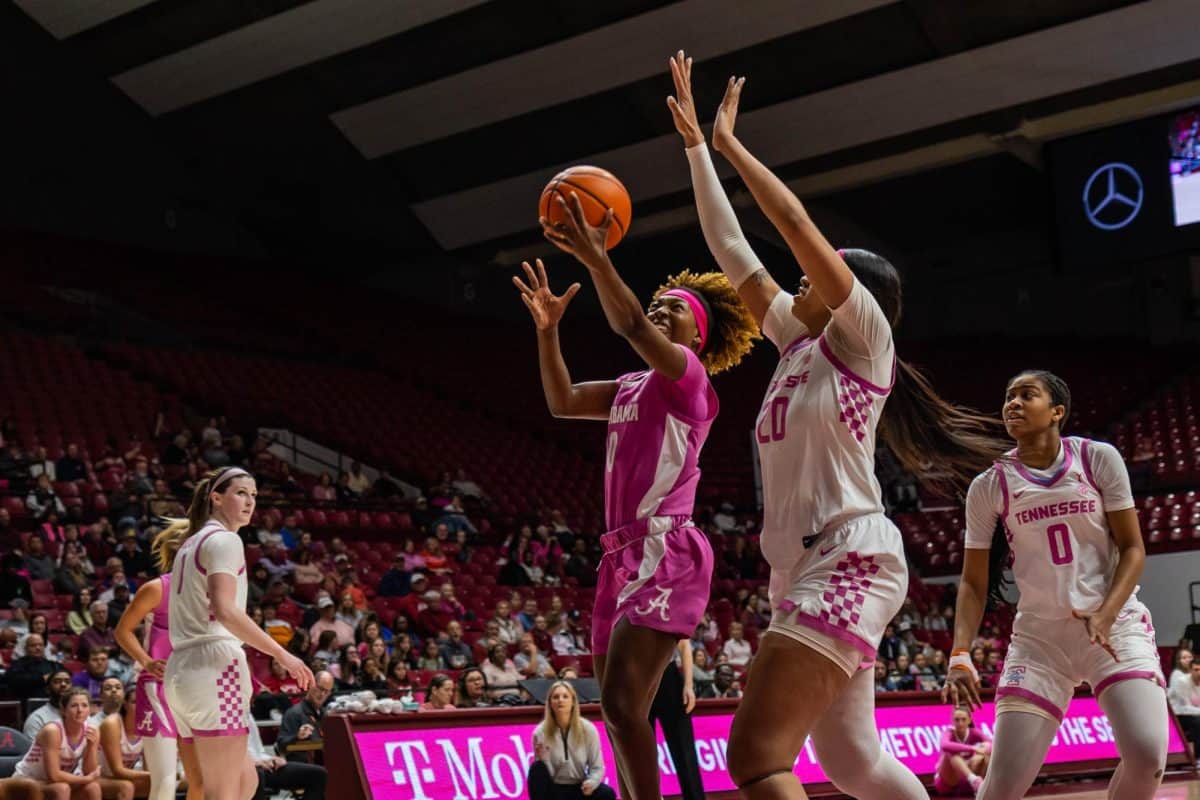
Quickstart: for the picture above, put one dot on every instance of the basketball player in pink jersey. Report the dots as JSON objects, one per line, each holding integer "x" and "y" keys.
{"x": 161, "y": 749}
{"x": 1065, "y": 512}
{"x": 838, "y": 572}
{"x": 206, "y": 677}
{"x": 657, "y": 567}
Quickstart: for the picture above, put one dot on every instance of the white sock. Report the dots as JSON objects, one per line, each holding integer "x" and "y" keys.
{"x": 847, "y": 745}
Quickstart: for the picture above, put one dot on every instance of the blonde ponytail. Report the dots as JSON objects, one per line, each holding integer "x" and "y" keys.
{"x": 166, "y": 543}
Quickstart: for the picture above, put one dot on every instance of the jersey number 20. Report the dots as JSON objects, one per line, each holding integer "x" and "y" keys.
{"x": 1060, "y": 544}
{"x": 776, "y": 414}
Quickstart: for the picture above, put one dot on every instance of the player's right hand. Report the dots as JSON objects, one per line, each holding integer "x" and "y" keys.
{"x": 545, "y": 308}
{"x": 298, "y": 670}
{"x": 961, "y": 689}
{"x": 727, "y": 114}
{"x": 157, "y": 668}
{"x": 683, "y": 107}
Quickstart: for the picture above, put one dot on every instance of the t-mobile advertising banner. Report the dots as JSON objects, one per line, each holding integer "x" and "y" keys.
{"x": 490, "y": 762}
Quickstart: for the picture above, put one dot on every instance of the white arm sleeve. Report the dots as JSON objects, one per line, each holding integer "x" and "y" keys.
{"x": 721, "y": 229}
{"x": 1112, "y": 479}
{"x": 223, "y": 552}
{"x": 984, "y": 506}
{"x": 778, "y": 323}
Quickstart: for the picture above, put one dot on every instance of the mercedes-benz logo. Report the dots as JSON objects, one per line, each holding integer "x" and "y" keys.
{"x": 1112, "y": 197}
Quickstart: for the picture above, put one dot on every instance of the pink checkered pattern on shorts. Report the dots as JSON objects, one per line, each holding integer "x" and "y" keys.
{"x": 855, "y": 402}
{"x": 229, "y": 699}
{"x": 846, "y": 595}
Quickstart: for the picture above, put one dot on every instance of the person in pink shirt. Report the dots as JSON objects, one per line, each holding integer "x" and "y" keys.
{"x": 965, "y": 753}
{"x": 656, "y": 572}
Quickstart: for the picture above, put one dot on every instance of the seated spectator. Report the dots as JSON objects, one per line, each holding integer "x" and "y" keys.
{"x": 431, "y": 657}
{"x": 924, "y": 678}
{"x": 541, "y": 634}
{"x": 277, "y": 774}
{"x": 70, "y": 578}
{"x": 567, "y": 759}
{"x": 330, "y": 622}
{"x": 435, "y": 560}
{"x": 257, "y": 584}
{"x": 92, "y": 676}
{"x": 306, "y": 573}
{"x": 373, "y": 677}
{"x": 38, "y": 564}
{"x": 42, "y": 499}
{"x": 736, "y": 647}
{"x": 440, "y": 695}
{"x": 700, "y": 666}
{"x": 939, "y": 621}
{"x": 38, "y": 624}
{"x": 912, "y": 645}
{"x": 580, "y": 565}
{"x": 464, "y": 486}
{"x": 455, "y": 652}
{"x": 502, "y": 675}
{"x": 900, "y": 679}
{"x": 80, "y": 617}
{"x": 724, "y": 684}
{"x": 302, "y": 722}
{"x": 324, "y": 493}
{"x": 117, "y": 579}
{"x": 276, "y": 562}
{"x": 535, "y": 574}
{"x": 57, "y": 683}
{"x": 27, "y": 675}
{"x": 278, "y": 628}
{"x": 890, "y": 646}
{"x": 14, "y": 466}
{"x": 571, "y": 640}
{"x": 357, "y": 480}
{"x": 121, "y": 770}
{"x": 450, "y": 602}
{"x": 348, "y": 612}
{"x": 99, "y": 635}
{"x": 413, "y": 603}
{"x": 399, "y": 683}
{"x": 349, "y": 669}
{"x": 70, "y": 467}
{"x": 378, "y": 651}
{"x": 881, "y": 674}
{"x": 275, "y": 693}
{"x": 531, "y": 662}
{"x": 41, "y": 464}
{"x": 120, "y": 600}
{"x": 327, "y": 647}
{"x": 509, "y": 629}
{"x": 13, "y": 585}
{"x": 454, "y": 517}
{"x": 472, "y": 689}
{"x": 369, "y": 632}
{"x": 394, "y": 582}
{"x": 402, "y": 650}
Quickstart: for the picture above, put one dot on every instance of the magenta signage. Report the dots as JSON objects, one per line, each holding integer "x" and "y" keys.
{"x": 490, "y": 762}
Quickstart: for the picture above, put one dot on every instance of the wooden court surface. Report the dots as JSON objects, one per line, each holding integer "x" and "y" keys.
{"x": 1171, "y": 790}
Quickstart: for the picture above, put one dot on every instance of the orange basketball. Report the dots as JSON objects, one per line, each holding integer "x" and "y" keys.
{"x": 598, "y": 190}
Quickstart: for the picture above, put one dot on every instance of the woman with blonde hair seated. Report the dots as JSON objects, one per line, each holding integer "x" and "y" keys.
{"x": 567, "y": 763}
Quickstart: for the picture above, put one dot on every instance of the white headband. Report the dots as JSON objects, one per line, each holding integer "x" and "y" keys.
{"x": 227, "y": 475}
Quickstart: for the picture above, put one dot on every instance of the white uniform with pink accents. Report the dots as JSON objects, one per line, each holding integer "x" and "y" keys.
{"x": 838, "y": 572}
{"x": 70, "y": 756}
{"x": 1064, "y": 558}
{"x": 207, "y": 678}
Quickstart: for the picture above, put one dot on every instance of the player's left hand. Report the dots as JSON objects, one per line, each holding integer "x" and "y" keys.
{"x": 92, "y": 734}
{"x": 727, "y": 114}
{"x": 1099, "y": 624}
{"x": 689, "y": 698}
{"x": 575, "y": 236}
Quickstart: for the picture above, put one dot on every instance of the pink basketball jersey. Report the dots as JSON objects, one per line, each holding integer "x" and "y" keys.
{"x": 656, "y": 428}
{"x": 159, "y": 646}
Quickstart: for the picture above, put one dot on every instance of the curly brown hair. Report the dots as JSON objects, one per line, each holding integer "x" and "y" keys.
{"x": 734, "y": 330}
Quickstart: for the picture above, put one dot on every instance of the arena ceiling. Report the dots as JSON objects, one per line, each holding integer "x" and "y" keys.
{"x": 431, "y": 125}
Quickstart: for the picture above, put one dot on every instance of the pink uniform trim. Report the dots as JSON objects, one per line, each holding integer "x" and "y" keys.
{"x": 1068, "y": 460}
{"x": 1085, "y": 455}
{"x": 1004, "y": 493}
{"x": 849, "y": 373}
{"x": 242, "y": 731}
{"x": 199, "y": 545}
{"x": 1128, "y": 675}
{"x": 841, "y": 634}
{"x": 799, "y": 344}
{"x": 1036, "y": 699}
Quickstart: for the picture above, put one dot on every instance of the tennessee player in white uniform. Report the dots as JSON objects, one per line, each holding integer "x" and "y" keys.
{"x": 207, "y": 679}
{"x": 1067, "y": 516}
{"x": 838, "y": 572}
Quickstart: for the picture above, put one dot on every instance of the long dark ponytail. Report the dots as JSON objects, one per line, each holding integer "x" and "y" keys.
{"x": 942, "y": 442}
{"x": 1000, "y": 556}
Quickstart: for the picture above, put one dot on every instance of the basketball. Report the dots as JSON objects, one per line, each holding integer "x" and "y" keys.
{"x": 598, "y": 190}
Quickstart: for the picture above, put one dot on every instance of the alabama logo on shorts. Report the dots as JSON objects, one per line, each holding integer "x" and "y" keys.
{"x": 1014, "y": 676}
{"x": 661, "y": 603}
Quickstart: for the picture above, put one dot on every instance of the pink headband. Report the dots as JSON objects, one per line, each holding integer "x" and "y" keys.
{"x": 699, "y": 311}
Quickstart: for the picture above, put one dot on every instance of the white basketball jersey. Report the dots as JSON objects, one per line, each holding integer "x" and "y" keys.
{"x": 816, "y": 428}
{"x": 1063, "y": 553}
{"x": 211, "y": 549}
{"x": 70, "y": 756}
{"x": 131, "y": 754}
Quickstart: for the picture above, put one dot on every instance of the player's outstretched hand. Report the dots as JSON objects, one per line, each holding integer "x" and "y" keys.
{"x": 682, "y": 105}
{"x": 961, "y": 689}
{"x": 575, "y": 235}
{"x": 298, "y": 670}
{"x": 727, "y": 113}
{"x": 545, "y": 308}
